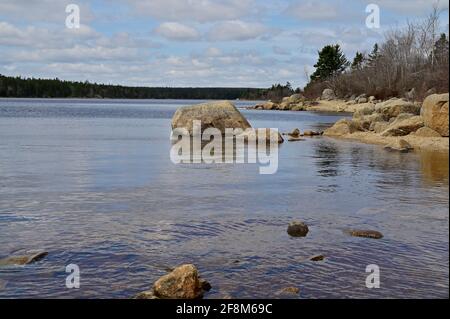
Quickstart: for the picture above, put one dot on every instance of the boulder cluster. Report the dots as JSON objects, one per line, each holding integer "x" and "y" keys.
{"x": 296, "y": 102}
{"x": 398, "y": 117}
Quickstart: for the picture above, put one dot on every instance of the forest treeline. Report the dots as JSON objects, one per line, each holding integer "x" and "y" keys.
{"x": 56, "y": 88}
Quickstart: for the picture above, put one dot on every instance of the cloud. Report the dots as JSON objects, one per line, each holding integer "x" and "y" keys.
{"x": 236, "y": 31}
{"x": 312, "y": 10}
{"x": 411, "y": 6}
{"x": 194, "y": 10}
{"x": 177, "y": 32}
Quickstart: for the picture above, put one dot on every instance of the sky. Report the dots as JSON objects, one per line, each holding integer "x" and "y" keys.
{"x": 190, "y": 43}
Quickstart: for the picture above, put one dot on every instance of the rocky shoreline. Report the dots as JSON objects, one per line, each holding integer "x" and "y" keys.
{"x": 398, "y": 124}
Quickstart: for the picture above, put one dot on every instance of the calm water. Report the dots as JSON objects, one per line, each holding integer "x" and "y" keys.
{"x": 92, "y": 183}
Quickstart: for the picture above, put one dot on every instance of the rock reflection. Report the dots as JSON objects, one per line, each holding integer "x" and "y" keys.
{"x": 328, "y": 161}
{"x": 434, "y": 167}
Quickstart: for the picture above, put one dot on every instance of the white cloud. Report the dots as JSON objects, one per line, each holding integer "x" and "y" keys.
{"x": 236, "y": 31}
{"x": 194, "y": 10}
{"x": 312, "y": 10}
{"x": 177, "y": 31}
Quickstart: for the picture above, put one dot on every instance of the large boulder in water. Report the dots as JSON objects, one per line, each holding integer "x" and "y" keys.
{"x": 435, "y": 113}
{"x": 220, "y": 115}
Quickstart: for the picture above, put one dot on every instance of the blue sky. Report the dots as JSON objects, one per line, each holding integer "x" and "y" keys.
{"x": 230, "y": 43}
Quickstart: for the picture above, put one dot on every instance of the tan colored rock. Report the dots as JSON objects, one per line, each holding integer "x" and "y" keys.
{"x": 379, "y": 127}
{"x": 310, "y": 133}
{"x": 404, "y": 127}
{"x": 220, "y": 115}
{"x": 342, "y": 127}
{"x": 394, "y": 107}
{"x": 267, "y": 134}
{"x": 295, "y": 132}
{"x": 364, "y": 111}
{"x": 295, "y": 98}
{"x": 182, "y": 283}
{"x": 426, "y": 132}
{"x": 435, "y": 113}
{"x": 328, "y": 94}
{"x": 289, "y": 291}
{"x": 269, "y": 106}
{"x": 23, "y": 259}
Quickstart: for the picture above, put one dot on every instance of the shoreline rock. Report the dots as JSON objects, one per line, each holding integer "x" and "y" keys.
{"x": 373, "y": 234}
{"x": 390, "y": 126}
{"x": 27, "y": 258}
{"x": 183, "y": 282}
{"x": 297, "y": 229}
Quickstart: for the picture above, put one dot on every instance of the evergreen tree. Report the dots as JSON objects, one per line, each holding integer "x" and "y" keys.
{"x": 441, "y": 49}
{"x": 332, "y": 61}
{"x": 358, "y": 61}
{"x": 374, "y": 55}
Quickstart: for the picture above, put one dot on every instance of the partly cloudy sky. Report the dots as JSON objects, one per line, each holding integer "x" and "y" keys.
{"x": 228, "y": 43}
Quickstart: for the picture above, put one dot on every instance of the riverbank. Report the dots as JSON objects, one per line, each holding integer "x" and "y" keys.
{"x": 398, "y": 124}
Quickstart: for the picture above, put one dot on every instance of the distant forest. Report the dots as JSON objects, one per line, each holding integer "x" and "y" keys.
{"x": 56, "y": 88}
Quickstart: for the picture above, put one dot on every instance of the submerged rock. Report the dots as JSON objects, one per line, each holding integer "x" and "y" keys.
{"x": 295, "y": 139}
{"x": 289, "y": 291}
{"x": 364, "y": 233}
{"x": 220, "y": 115}
{"x": 297, "y": 229}
{"x": 317, "y": 258}
{"x": 25, "y": 259}
{"x": 399, "y": 146}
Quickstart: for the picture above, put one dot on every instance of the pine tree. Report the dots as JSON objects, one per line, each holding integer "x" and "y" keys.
{"x": 441, "y": 49}
{"x": 332, "y": 61}
{"x": 358, "y": 61}
{"x": 374, "y": 55}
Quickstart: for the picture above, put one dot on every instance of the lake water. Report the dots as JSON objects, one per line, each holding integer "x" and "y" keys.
{"x": 91, "y": 182}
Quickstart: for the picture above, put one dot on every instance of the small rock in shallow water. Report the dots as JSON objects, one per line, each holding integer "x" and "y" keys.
{"x": 27, "y": 258}
{"x": 310, "y": 133}
{"x": 295, "y": 139}
{"x": 295, "y": 133}
{"x": 206, "y": 286}
{"x": 365, "y": 233}
{"x": 290, "y": 290}
{"x": 297, "y": 229}
{"x": 182, "y": 283}
{"x": 317, "y": 258}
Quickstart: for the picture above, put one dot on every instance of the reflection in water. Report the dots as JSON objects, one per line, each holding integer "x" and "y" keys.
{"x": 435, "y": 167}
{"x": 328, "y": 158}
{"x": 93, "y": 184}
